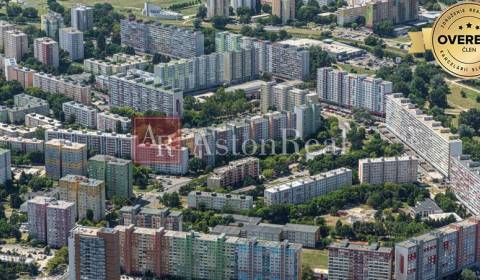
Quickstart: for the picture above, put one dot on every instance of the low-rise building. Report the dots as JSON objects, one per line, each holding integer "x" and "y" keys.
{"x": 425, "y": 208}
{"x": 219, "y": 201}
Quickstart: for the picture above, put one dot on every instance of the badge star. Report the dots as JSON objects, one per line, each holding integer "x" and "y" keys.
{"x": 469, "y": 25}
{"x": 460, "y": 27}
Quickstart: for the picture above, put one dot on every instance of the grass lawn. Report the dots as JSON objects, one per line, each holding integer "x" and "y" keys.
{"x": 315, "y": 258}
{"x": 456, "y": 100}
{"x": 359, "y": 70}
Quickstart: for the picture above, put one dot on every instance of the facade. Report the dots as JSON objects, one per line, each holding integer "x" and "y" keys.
{"x": 219, "y": 201}
{"x": 308, "y": 120}
{"x": 23, "y": 104}
{"x": 115, "y": 172}
{"x": 112, "y": 144}
{"x": 465, "y": 182}
{"x": 51, "y": 24}
{"x": 159, "y": 38}
{"x": 82, "y": 17}
{"x": 80, "y": 114}
{"x": 281, "y": 97}
{"x": 118, "y": 63}
{"x": 304, "y": 189}
{"x": 151, "y": 218}
{"x": 71, "y": 40}
{"x": 164, "y": 252}
{"x": 290, "y": 62}
{"x": 77, "y": 91}
{"x": 22, "y": 145}
{"x": 439, "y": 253}
{"x": 284, "y": 9}
{"x": 16, "y": 131}
{"x": 46, "y": 51}
{"x": 4, "y": 27}
{"x": 219, "y": 8}
{"x": 5, "y": 166}
{"x": 388, "y": 170}
{"x": 352, "y": 90}
{"x": 14, "y": 72}
{"x": 63, "y": 157}
{"x": 86, "y": 193}
{"x": 243, "y": 3}
{"x": 137, "y": 90}
{"x": 93, "y": 253}
{"x": 109, "y": 122}
{"x": 235, "y": 172}
{"x": 37, "y": 120}
{"x": 16, "y": 44}
{"x": 427, "y": 137}
{"x": 347, "y": 261}
{"x": 172, "y": 160}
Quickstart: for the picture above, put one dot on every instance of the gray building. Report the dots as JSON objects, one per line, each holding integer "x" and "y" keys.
{"x": 71, "y": 40}
{"x": 82, "y": 17}
{"x": 151, "y": 218}
{"x": 23, "y": 104}
{"x": 52, "y": 22}
{"x": 290, "y": 62}
{"x": 5, "y": 166}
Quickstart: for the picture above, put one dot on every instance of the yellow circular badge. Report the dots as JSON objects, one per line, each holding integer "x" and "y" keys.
{"x": 456, "y": 40}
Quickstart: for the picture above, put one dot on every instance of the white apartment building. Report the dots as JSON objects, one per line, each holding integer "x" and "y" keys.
{"x": 381, "y": 170}
{"x": 465, "y": 182}
{"x": 427, "y": 137}
{"x": 22, "y": 145}
{"x": 290, "y": 62}
{"x": 5, "y": 166}
{"x": 303, "y": 189}
{"x": 219, "y": 201}
{"x": 4, "y": 27}
{"x": 46, "y": 51}
{"x": 83, "y": 115}
{"x": 281, "y": 97}
{"x": 82, "y": 17}
{"x": 218, "y": 8}
{"x": 37, "y": 120}
{"x": 118, "y": 63}
{"x": 71, "y": 40}
{"x": 64, "y": 85}
{"x": 16, "y": 44}
{"x": 109, "y": 122}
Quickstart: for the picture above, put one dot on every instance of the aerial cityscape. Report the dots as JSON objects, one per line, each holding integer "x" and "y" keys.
{"x": 235, "y": 139}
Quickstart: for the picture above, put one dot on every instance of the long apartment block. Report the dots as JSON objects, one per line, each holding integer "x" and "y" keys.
{"x": 109, "y": 122}
{"x": 290, "y": 62}
{"x": 465, "y": 182}
{"x": 235, "y": 172}
{"x": 381, "y": 170}
{"x": 22, "y": 145}
{"x": 37, "y": 120}
{"x": 304, "y": 189}
{"x": 427, "y": 137}
{"x": 77, "y": 91}
{"x": 23, "y": 104}
{"x": 118, "y": 63}
{"x": 219, "y": 201}
{"x": 151, "y": 37}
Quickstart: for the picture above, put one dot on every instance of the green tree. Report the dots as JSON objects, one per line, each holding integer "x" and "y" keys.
{"x": 468, "y": 274}
{"x": 219, "y": 22}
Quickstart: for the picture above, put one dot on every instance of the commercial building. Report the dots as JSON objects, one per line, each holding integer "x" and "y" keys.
{"x": 219, "y": 8}
{"x": 76, "y": 90}
{"x": 234, "y": 173}
{"x": 425, "y": 208}
{"x": 465, "y": 182}
{"x": 93, "y": 253}
{"x": 16, "y": 44}
{"x": 109, "y": 122}
{"x": 80, "y": 114}
{"x": 23, "y": 104}
{"x": 46, "y": 51}
{"x": 37, "y": 120}
{"x": 22, "y": 145}
{"x": 87, "y": 194}
{"x": 348, "y": 260}
{"x": 151, "y": 218}
{"x": 137, "y": 90}
{"x": 14, "y": 72}
{"x": 71, "y": 40}
{"x": 115, "y": 172}
{"x": 118, "y": 63}
{"x": 284, "y": 9}
{"x": 5, "y": 166}
{"x": 381, "y": 170}
{"x": 439, "y": 253}
{"x": 63, "y": 157}
{"x": 219, "y": 201}
{"x": 113, "y": 144}
{"x": 163, "y": 252}
{"x": 336, "y": 50}
{"x": 51, "y": 24}
{"x": 82, "y": 17}
{"x": 427, "y": 137}
{"x": 4, "y": 27}
{"x": 352, "y": 90}
{"x": 290, "y": 62}
{"x": 159, "y": 38}
{"x": 50, "y": 220}
{"x": 301, "y": 190}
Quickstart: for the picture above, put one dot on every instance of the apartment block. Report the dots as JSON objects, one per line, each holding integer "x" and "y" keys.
{"x": 5, "y": 166}
{"x": 301, "y": 190}
{"x": 82, "y": 17}
{"x": 16, "y": 44}
{"x": 219, "y": 201}
{"x": 348, "y": 260}
{"x": 284, "y": 9}
{"x": 15, "y": 72}
{"x": 37, "y": 120}
{"x": 51, "y": 23}
{"x": 86, "y": 193}
{"x": 63, "y": 157}
{"x": 4, "y": 27}
{"x": 352, "y": 90}
{"x": 439, "y": 253}
{"x": 281, "y": 97}
{"x": 381, "y": 170}
{"x": 76, "y": 90}
{"x": 165, "y": 160}
{"x": 290, "y": 62}
{"x": 22, "y": 145}
{"x": 118, "y": 63}
{"x": 137, "y": 90}
{"x": 160, "y": 38}
{"x": 465, "y": 182}
{"x": 93, "y": 253}
{"x": 308, "y": 120}
{"x": 16, "y": 131}
{"x": 115, "y": 172}
{"x": 258, "y": 128}
{"x": 46, "y": 51}
{"x": 109, "y": 122}
{"x": 251, "y": 4}
{"x": 164, "y": 252}
{"x": 234, "y": 173}
{"x": 219, "y": 8}
{"x": 80, "y": 114}
{"x": 427, "y": 137}
{"x": 151, "y": 218}
{"x": 23, "y": 104}
{"x": 71, "y": 40}
{"x": 112, "y": 144}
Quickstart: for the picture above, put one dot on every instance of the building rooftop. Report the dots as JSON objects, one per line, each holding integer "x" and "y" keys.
{"x": 302, "y": 228}
{"x": 374, "y": 247}
{"x": 426, "y": 205}
{"x": 215, "y": 194}
{"x": 227, "y": 230}
{"x": 387, "y": 159}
